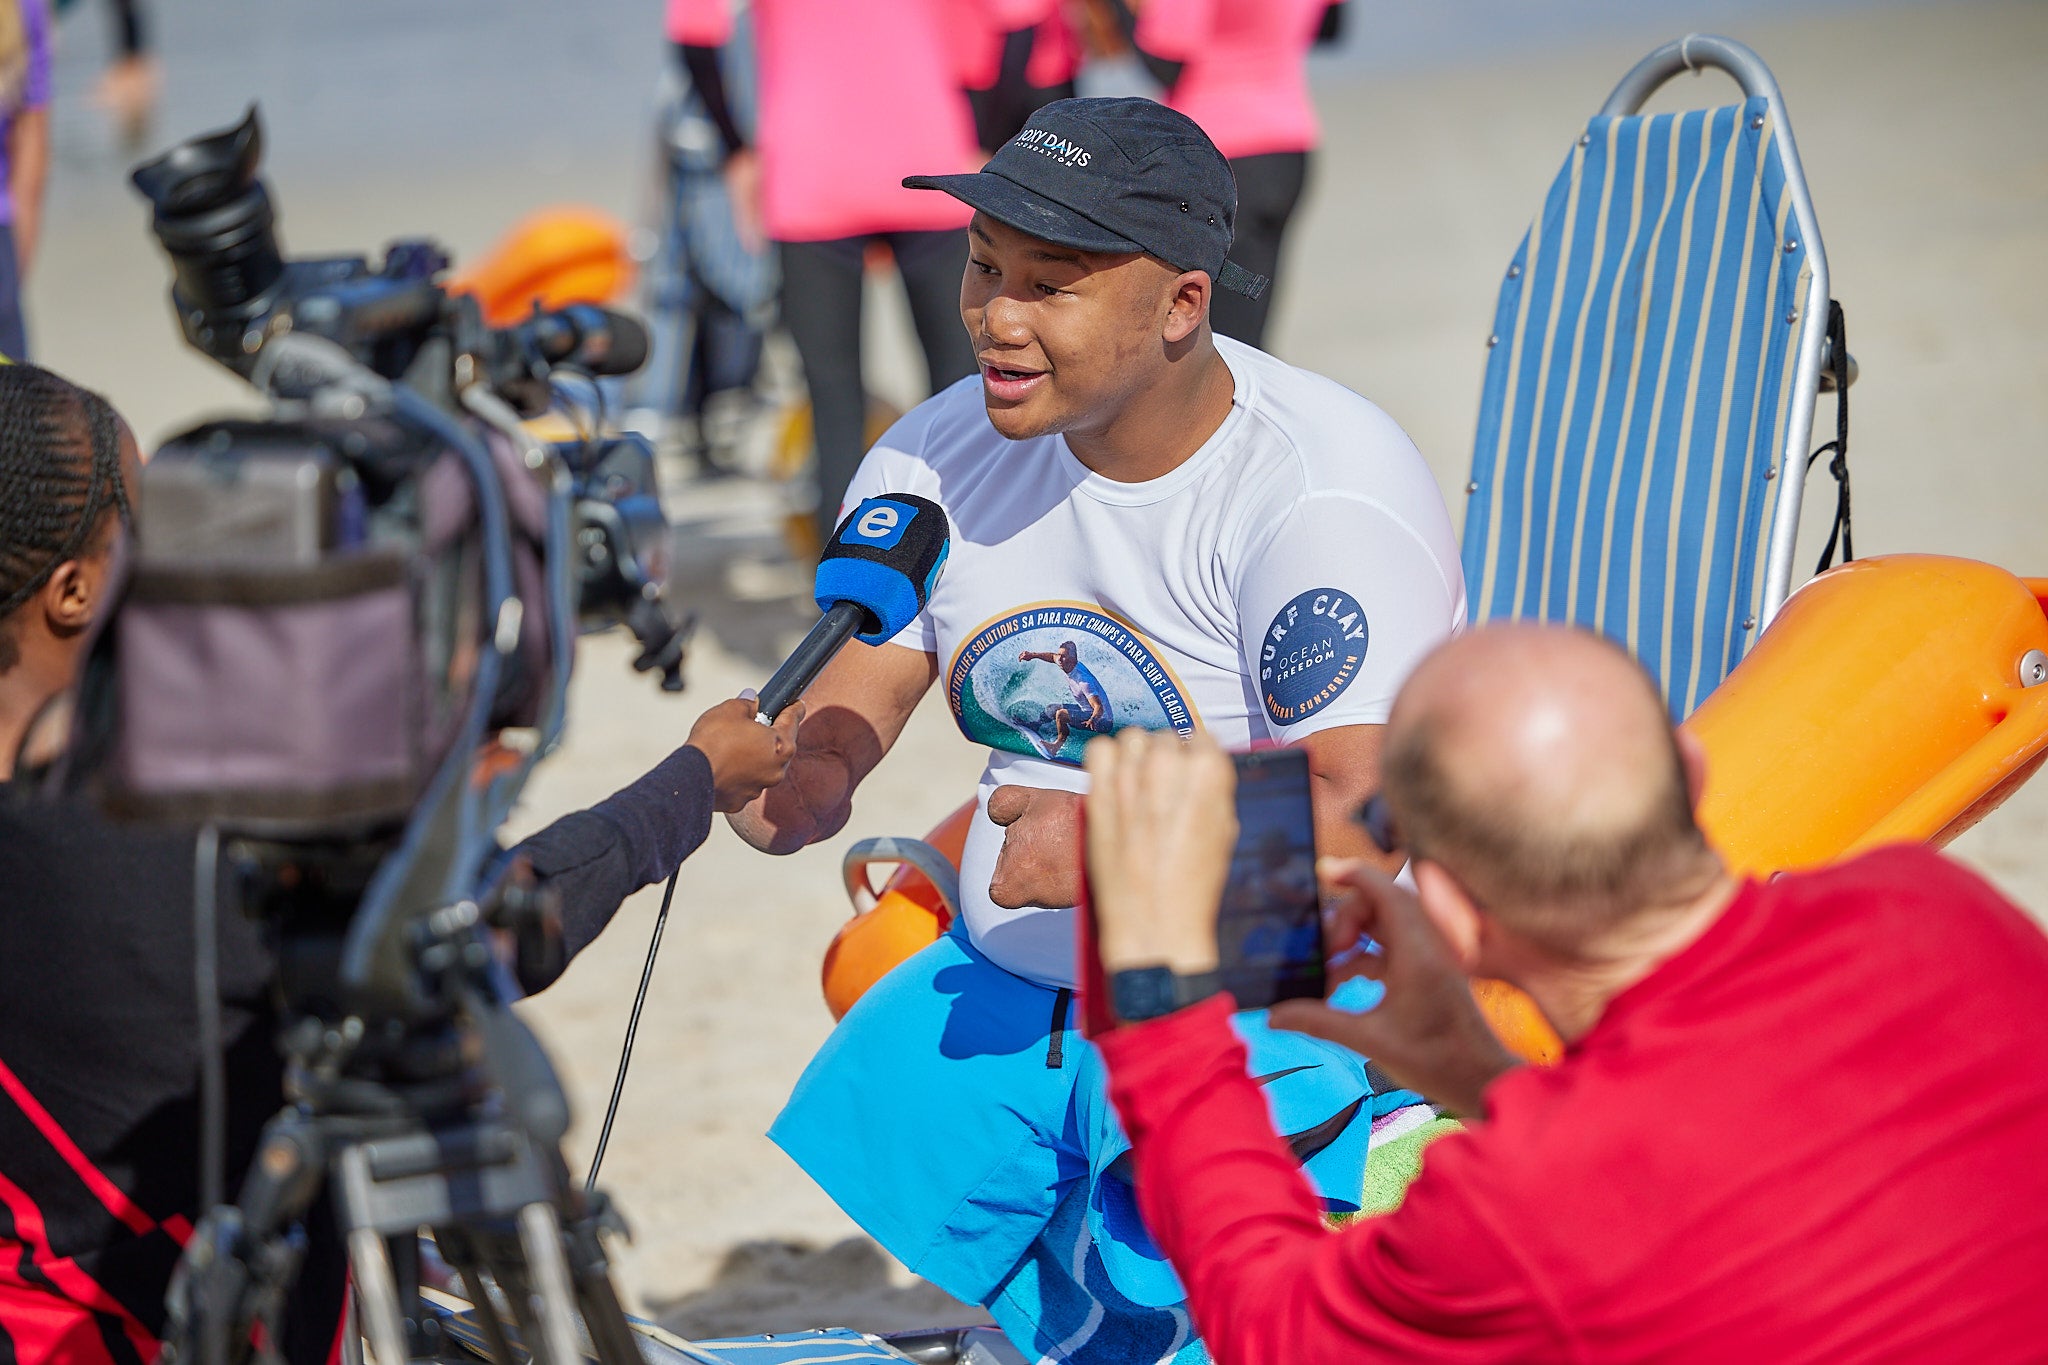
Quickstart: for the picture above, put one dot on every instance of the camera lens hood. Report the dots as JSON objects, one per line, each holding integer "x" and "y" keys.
{"x": 214, "y": 219}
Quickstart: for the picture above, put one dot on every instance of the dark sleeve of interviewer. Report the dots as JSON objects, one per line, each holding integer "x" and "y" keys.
{"x": 596, "y": 858}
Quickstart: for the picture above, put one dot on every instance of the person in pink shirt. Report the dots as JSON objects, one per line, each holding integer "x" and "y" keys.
{"x": 854, "y": 96}
{"x": 1239, "y": 68}
{"x": 1016, "y": 57}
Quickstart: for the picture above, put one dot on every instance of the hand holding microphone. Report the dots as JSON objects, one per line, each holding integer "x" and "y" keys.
{"x": 873, "y": 579}
{"x": 746, "y": 758}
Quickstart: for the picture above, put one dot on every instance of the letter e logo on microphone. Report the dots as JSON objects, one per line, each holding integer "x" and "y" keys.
{"x": 877, "y": 523}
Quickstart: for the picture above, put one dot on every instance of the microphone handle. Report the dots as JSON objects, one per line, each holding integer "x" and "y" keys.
{"x": 838, "y": 625}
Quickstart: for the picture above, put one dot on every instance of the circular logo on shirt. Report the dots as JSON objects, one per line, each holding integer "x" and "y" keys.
{"x": 1045, "y": 679}
{"x": 1311, "y": 652}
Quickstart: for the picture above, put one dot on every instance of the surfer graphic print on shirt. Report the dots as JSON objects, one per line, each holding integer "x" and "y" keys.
{"x": 1045, "y": 679}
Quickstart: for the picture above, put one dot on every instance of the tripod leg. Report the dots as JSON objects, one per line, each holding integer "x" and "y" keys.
{"x": 540, "y": 1235}
{"x": 603, "y": 1318}
{"x": 610, "y": 1333}
{"x": 422, "y": 1329}
{"x": 461, "y": 1253}
{"x": 487, "y": 1315}
{"x": 351, "y": 1333}
{"x": 377, "y": 1296}
{"x": 510, "y": 1277}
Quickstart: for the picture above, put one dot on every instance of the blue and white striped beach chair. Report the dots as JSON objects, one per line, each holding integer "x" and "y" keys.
{"x": 1654, "y": 363}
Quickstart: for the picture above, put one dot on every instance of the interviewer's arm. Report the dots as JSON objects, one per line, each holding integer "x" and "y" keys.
{"x": 593, "y": 859}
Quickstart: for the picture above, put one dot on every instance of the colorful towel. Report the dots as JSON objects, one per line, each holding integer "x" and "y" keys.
{"x": 1397, "y": 1144}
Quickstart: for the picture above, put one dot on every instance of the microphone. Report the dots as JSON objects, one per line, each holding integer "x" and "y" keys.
{"x": 875, "y": 576}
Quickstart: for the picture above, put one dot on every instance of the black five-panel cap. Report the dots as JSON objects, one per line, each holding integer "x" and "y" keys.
{"x": 1113, "y": 175}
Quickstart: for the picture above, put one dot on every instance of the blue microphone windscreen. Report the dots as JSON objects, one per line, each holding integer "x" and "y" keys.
{"x": 885, "y": 556}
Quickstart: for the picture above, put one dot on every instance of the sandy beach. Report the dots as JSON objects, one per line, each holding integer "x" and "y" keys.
{"x": 1925, "y": 134}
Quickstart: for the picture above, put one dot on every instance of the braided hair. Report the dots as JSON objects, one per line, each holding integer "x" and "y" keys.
{"x": 60, "y": 476}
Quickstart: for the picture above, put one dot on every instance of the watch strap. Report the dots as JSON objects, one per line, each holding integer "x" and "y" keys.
{"x": 1141, "y": 993}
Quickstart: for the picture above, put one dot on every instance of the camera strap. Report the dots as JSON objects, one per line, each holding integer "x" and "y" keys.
{"x": 611, "y": 1110}
{"x": 213, "y": 1084}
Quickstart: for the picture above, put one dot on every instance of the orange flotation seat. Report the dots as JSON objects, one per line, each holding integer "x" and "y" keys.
{"x": 557, "y": 256}
{"x": 910, "y": 913}
{"x": 1897, "y": 698}
{"x": 1900, "y": 698}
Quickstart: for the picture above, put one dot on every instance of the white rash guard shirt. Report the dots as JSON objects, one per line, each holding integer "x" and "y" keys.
{"x": 1283, "y": 580}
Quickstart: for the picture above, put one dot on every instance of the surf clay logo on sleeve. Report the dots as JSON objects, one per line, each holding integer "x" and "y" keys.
{"x": 1044, "y": 680}
{"x": 1311, "y": 652}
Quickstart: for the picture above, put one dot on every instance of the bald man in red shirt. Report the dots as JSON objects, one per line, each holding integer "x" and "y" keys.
{"x": 1797, "y": 1120}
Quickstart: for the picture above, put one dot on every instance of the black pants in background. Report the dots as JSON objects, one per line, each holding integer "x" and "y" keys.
{"x": 1268, "y": 188}
{"x": 821, "y": 307}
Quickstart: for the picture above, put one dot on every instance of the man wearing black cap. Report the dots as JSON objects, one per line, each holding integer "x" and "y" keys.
{"x": 1229, "y": 544}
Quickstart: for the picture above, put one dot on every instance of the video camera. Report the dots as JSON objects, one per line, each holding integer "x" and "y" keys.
{"x": 234, "y": 293}
{"x": 348, "y": 626}
{"x": 343, "y": 638}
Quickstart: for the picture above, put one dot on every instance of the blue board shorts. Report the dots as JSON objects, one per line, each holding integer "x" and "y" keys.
{"x": 953, "y": 1109}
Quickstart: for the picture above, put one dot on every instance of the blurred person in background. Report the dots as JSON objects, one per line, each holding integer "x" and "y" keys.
{"x": 128, "y": 87}
{"x": 24, "y": 155}
{"x": 708, "y": 296}
{"x": 1240, "y": 69}
{"x": 854, "y": 96}
{"x": 1017, "y": 56}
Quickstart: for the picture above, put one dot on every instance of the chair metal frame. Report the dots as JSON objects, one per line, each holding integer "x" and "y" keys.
{"x": 1695, "y": 52}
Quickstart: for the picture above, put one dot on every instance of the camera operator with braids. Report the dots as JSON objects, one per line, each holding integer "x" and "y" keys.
{"x": 99, "y": 1064}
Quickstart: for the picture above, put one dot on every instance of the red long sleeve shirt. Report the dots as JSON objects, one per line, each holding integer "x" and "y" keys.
{"x": 1819, "y": 1133}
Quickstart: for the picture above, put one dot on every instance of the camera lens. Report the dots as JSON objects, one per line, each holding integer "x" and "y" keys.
{"x": 214, "y": 219}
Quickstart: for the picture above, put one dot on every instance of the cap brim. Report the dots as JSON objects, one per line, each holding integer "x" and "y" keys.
{"x": 1011, "y": 204}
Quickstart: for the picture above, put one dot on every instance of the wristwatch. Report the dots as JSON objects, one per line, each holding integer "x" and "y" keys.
{"x": 1141, "y": 993}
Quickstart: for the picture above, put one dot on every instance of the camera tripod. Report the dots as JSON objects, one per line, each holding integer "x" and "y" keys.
{"x": 450, "y": 1124}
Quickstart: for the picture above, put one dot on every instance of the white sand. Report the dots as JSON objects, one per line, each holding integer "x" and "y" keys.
{"x": 1926, "y": 139}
